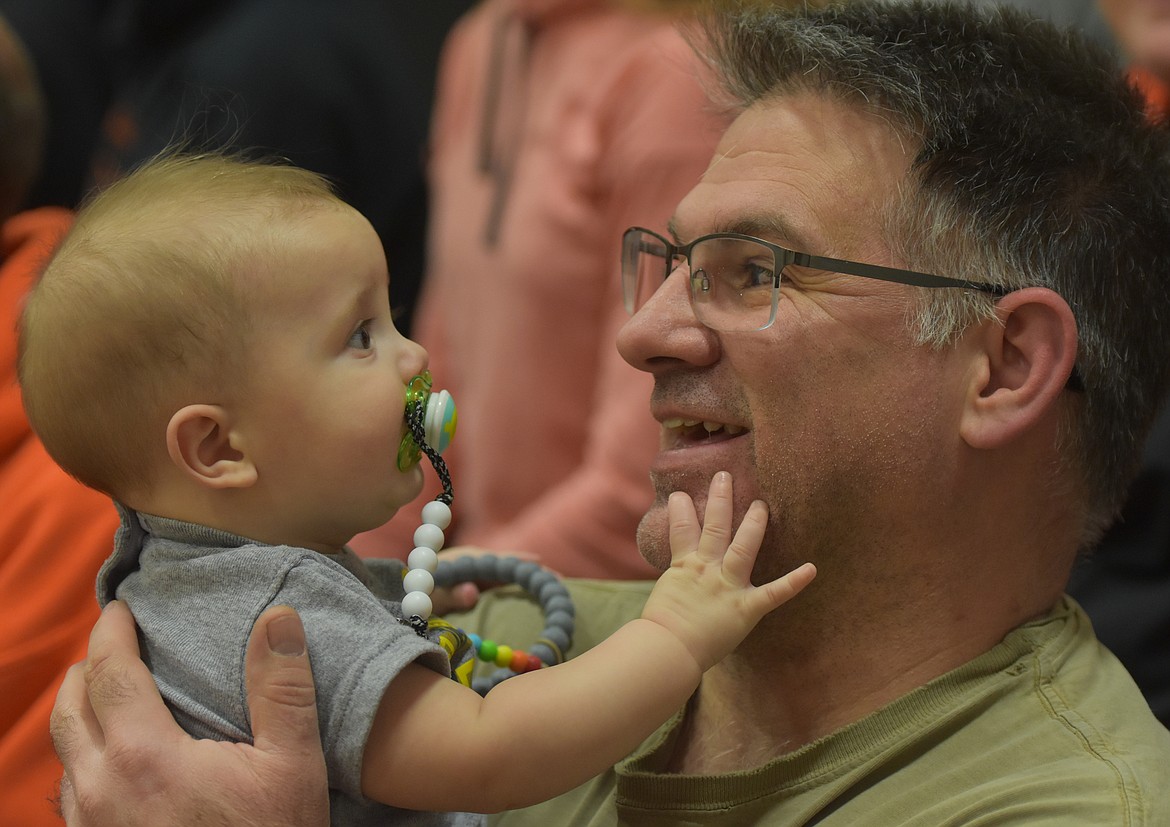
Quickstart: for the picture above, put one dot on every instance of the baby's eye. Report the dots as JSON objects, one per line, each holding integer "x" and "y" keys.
{"x": 360, "y": 338}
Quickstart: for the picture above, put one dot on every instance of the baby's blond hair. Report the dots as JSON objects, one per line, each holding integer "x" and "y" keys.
{"x": 144, "y": 307}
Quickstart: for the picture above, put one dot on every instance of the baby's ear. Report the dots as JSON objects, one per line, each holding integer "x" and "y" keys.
{"x": 200, "y": 443}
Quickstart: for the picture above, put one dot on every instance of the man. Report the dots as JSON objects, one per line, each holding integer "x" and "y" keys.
{"x": 941, "y": 454}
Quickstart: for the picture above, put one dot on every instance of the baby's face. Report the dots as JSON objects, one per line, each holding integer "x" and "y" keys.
{"x": 324, "y": 412}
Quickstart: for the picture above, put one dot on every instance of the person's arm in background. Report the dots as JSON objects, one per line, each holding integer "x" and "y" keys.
{"x": 128, "y": 764}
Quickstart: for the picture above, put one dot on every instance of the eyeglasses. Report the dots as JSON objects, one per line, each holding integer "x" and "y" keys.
{"x": 735, "y": 279}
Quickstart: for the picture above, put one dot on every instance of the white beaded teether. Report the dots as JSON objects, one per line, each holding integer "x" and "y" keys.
{"x": 419, "y": 581}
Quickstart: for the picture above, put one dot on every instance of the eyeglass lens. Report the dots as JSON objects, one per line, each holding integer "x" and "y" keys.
{"x": 731, "y": 279}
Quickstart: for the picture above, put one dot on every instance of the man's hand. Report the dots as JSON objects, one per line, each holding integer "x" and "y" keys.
{"x": 127, "y": 763}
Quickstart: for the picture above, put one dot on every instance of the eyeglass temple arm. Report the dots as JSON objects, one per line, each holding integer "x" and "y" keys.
{"x": 876, "y": 271}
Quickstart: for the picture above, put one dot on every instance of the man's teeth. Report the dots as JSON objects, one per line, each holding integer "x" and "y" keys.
{"x": 709, "y": 427}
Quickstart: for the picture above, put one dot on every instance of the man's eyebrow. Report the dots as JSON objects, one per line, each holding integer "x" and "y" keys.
{"x": 768, "y": 227}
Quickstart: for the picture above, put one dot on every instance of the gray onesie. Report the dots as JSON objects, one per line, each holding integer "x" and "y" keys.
{"x": 196, "y": 592}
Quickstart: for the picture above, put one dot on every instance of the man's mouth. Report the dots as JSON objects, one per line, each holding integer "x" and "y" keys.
{"x": 680, "y": 432}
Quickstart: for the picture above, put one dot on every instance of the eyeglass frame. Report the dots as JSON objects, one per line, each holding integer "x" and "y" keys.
{"x": 783, "y": 257}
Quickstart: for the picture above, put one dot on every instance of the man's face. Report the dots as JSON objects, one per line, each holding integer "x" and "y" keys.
{"x": 1142, "y": 28}
{"x": 834, "y": 412}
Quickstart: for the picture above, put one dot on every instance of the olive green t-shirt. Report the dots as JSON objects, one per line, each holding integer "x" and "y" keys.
{"x": 1046, "y": 728}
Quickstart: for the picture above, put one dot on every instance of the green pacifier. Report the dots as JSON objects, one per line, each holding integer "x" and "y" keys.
{"x": 431, "y": 417}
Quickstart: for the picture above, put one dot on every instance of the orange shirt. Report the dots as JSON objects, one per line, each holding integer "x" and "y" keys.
{"x": 1156, "y": 93}
{"x": 54, "y": 534}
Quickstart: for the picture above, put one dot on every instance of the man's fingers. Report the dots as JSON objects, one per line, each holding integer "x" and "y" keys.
{"x": 119, "y": 685}
{"x": 282, "y": 699}
{"x": 65, "y": 801}
{"x": 66, "y": 722}
{"x": 111, "y": 688}
{"x": 115, "y": 631}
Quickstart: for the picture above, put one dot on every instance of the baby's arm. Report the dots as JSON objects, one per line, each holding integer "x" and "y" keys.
{"x": 436, "y": 745}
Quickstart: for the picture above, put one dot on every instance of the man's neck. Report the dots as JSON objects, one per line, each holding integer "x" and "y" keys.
{"x": 791, "y": 685}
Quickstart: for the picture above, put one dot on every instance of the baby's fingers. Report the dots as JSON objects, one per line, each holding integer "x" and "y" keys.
{"x": 684, "y": 525}
{"x": 716, "y": 518}
{"x": 741, "y": 554}
{"x": 779, "y": 591}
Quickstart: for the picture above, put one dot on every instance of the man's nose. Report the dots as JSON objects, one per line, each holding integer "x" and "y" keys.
{"x": 665, "y": 329}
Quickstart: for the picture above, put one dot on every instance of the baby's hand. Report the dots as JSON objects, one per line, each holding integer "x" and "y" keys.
{"x": 706, "y": 597}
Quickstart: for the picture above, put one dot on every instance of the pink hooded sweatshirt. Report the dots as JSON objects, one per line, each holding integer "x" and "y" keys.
{"x": 558, "y": 124}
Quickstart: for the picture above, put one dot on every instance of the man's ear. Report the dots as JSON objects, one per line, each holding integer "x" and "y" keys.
{"x": 1027, "y": 362}
{"x": 200, "y": 443}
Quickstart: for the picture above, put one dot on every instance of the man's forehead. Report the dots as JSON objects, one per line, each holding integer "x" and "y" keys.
{"x": 768, "y": 225}
{"x": 797, "y": 169}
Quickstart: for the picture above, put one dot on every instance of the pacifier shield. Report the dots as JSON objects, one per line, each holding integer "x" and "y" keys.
{"x": 431, "y": 419}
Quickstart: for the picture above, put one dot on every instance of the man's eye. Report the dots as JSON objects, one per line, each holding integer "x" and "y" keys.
{"x": 758, "y": 275}
{"x": 749, "y": 276}
{"x": 360, "y": 338}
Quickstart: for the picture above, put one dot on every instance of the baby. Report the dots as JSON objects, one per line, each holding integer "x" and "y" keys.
{"x": 212, "y": 345}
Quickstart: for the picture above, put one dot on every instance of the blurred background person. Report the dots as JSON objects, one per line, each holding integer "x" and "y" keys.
{"x": 1142, "y": 32}
{"x": 341, "y": 87}
{"x": 558, "y": 124}
{"x": 70, "y": 52}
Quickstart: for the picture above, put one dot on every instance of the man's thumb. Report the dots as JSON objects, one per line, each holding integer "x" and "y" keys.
{"x": 282, "y": 699}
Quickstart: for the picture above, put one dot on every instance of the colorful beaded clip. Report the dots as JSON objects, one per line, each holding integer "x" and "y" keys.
{"x": 548, "y": 590}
